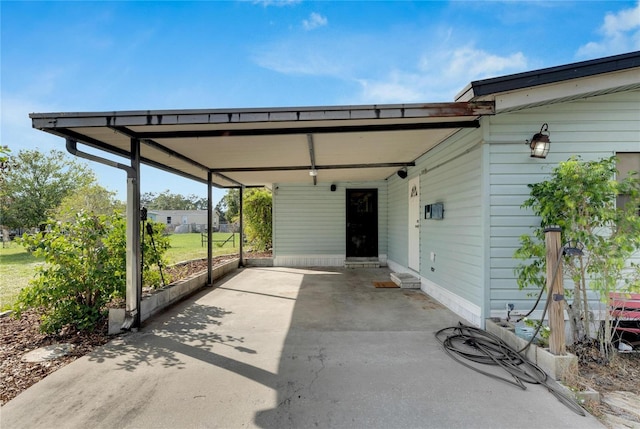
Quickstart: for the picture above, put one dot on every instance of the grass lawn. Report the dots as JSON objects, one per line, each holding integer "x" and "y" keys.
{"x": 189, "y": 246}
{"x": 17, "y": 267}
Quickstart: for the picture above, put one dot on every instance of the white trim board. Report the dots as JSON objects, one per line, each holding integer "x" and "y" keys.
{"x": 463, "y": 308}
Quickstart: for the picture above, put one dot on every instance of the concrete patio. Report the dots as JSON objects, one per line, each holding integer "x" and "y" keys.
{"x": 286, "y": 348}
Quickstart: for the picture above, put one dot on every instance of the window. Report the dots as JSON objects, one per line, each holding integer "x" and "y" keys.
{"x": 627, "y": 161}
{"x": 168, "y": 220}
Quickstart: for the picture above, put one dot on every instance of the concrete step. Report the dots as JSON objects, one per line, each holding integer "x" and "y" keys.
{"x": 406, "y": 280}
{"x": 362, "y": 263}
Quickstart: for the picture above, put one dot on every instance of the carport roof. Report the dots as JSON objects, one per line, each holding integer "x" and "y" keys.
{"x": 262, "y": 146}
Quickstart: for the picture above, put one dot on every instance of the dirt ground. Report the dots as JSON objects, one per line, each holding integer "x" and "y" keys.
{"x": 18, "y": 337}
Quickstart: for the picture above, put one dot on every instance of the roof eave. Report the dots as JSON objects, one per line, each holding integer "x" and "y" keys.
{"x": 482, "y": 88}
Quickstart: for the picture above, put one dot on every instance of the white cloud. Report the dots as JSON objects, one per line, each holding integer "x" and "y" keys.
{"x": 439, "y": 76}
{"x": 380, "y": 70}
{"x": 279, "y": 3}
{"x": 315, "y": 20}
{"x": 307, "y": 63}
{"x": 620, "y": 33}
{"x": 306, "y": 56}
{"x": 477, "y": 64}
{"x": 399, "y": 87}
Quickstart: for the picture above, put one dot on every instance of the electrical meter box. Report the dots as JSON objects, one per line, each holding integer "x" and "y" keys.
{"x": 434, "y": 211}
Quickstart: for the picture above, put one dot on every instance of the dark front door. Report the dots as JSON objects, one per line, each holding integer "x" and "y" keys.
{"x": 362, "y": 223}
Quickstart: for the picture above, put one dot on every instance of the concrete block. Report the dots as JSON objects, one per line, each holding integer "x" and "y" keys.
{"x": 160, "y": 299}
{"x": 116, "y": 319}
{"x": 554, "y": 365}
{"x": 406, "y": 280}
{"x": 258, "y": 262}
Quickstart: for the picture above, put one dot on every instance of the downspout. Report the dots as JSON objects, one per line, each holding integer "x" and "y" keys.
{"x": 134, "y": 282}
{"x": 312, "y": 156}
{"x": 72, "y": 148}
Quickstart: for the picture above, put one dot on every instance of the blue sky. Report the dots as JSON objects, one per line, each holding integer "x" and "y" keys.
{"x": 105, "y": 56}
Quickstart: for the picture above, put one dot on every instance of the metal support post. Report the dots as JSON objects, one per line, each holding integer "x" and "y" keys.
{"x": 133, "y": 247}
{"x": 209, "y": 229}
{"x": 241, "y": 263}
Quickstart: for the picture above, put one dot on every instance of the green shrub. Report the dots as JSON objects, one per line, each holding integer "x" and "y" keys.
{"x": 580, "y": 197}
{"x": 257, "y": 214}
{"x": 85, "y": 268}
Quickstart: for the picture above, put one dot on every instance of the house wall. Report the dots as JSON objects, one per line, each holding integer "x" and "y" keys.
{"x": 593, "y": 128}
{"x": 451, "y": 174}
{"x": 481, "y": 176}
{"x": 309, "y": 223}
{"x": 178, "y": 217}
{"x": 398, "y": 210}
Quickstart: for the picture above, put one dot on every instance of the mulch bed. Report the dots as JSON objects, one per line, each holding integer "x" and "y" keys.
{"x": 19, "y": 336}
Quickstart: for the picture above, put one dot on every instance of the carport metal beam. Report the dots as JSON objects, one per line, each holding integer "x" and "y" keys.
{"x": 335, "y": 129}
{"x": 317, "y": 167}
{"x": 170, "y": 152}
{"x": 96, "y": 144}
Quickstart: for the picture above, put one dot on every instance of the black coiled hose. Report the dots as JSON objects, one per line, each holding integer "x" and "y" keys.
{"x": 468, "y": 343}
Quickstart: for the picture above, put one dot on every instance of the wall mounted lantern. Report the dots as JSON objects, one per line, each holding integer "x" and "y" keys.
{"x": 540, "y": 143}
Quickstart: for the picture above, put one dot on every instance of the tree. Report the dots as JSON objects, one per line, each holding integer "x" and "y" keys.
{"x": 219, "y": 208}
{"x": 258, "y": 214}
{"x": 229, "y": 205}
{"x": 92, "y": 198}
{"x": 5, "y": 161}
{"x": 580, "y": 197}
{"x": 170, "y": 201}
{"x": 36, "y": 184}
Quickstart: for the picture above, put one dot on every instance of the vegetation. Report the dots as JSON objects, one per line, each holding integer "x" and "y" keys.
{"x": 229, "y": 206}
{"x": 17, "y": 268}
{"x": 91, "y": 198}
{"x": 37, "y": 183}
{"x": 580, "y": 197}
{"x": 257, "y": 205}
{"x": 76, "y": 264}
{"x": 185, "y": 247}
{"x": 84, "y": 269}
{"x": 257, "y": 214}
{"x": 169, "y": 201}
{"x": 5, "y": 161}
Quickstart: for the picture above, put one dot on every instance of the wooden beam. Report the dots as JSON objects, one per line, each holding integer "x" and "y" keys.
{"x": 553, "y": 244}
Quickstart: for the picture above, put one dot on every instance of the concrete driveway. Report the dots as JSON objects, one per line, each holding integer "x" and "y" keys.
{"x": 286, "y": 348}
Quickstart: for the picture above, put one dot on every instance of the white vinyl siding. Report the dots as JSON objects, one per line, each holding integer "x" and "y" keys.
{"x": 451, "y": 174}
{"x": 593, "y": 128}
{"x": 311, "y": 220}
{"x": 398, "y": 208}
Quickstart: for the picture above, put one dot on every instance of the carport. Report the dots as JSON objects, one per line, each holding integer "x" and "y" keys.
{"x": 240, "y": 148}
